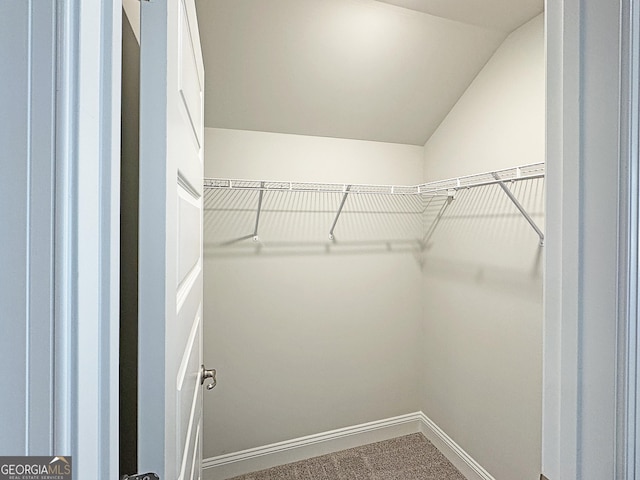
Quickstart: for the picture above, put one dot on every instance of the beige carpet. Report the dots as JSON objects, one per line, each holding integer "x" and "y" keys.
{"x": 411, "y": 457}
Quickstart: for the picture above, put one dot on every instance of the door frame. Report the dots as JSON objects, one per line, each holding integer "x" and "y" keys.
{"x": 590, "y": 298}
{"x": 87, "y": 236}
{"x": 628, "y": 375}
{"x": 87, "y": 253}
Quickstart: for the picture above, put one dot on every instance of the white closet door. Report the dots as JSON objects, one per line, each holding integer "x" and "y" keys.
{"x": 170, "y": 258}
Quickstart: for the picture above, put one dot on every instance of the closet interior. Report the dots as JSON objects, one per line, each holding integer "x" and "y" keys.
{"x": 357, "y": 289}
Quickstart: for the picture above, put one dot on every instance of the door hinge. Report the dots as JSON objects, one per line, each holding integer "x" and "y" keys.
{"x": 142, "y": 476}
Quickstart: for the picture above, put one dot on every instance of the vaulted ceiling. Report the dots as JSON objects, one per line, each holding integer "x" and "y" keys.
{"x": 503, "y": 15}
{"x": 363, "y": 69}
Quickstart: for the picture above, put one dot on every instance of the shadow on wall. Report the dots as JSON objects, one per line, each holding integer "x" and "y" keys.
{"x": 482, "y": 239}
{"x": 299, "y": 223}
{"x": 282, "y": 223}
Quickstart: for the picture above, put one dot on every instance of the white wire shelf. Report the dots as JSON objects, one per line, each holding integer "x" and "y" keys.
{"x": 446, "y": 188}
{"x": 281, "y": 186}
{"x": 524, "y": 172}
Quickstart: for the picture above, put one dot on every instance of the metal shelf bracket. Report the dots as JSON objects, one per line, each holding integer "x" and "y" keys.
{"x": 335, "y": 220}
{"x": 519, "y": 206}
{"x": 451, "y": 196}
{"x": 256, "y": 238}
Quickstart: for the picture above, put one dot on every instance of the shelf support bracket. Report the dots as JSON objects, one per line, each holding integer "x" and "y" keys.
{"x": 451, "y": 195}
{"x": 335, "y": 220}
{"x": 256, "y": 238}
{"x": 520, "y": 208}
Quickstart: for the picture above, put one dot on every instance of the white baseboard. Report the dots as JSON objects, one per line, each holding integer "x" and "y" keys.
{"x": 259, "y": 458}
{"x": 245, "y": 461}
{"x": 471, "y": 469}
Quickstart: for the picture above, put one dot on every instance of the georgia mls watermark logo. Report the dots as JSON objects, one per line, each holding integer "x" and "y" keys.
{"x": 35, "y": 468}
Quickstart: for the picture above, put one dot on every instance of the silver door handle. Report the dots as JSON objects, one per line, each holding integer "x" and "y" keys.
{"x": 205, "y": 374}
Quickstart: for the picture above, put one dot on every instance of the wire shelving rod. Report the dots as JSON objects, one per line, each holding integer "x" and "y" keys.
{"x": 437, "y": 188}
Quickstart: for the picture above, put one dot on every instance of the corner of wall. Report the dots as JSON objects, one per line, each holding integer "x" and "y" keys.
{"x": 479, "y": 271}
{"x": 131, "y": 10}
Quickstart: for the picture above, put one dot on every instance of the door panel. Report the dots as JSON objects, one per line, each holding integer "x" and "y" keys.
{"x": 171, "y": 170}
{"x": 189, "y": 235}
{"x": 190, "y": 95}
{"x": 189, "y": 80}
{"x": 189, "y": 398}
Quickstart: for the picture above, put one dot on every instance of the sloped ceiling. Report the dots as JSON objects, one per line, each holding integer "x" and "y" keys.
{"x": 503, "y": 15}
{"x": 359, "y": 69}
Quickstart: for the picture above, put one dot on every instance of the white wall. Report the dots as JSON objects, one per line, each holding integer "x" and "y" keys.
{"x": 458, "y": 337}
{"x": 273, "y": 156}
{"x": 307, "y": 340}
{"x": 498, "y": 122}
{"x": 483, "y": 268}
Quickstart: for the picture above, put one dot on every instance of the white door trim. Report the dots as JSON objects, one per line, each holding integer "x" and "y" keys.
{"x": 590, "y": 335}
{"x": 86, "y": 260}
{"x": 87, "y": 236}
{"x": 627, "y": 454}
{"x": 560, "y": 375}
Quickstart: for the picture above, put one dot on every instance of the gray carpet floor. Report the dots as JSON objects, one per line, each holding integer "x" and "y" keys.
{"x": 411, "y": 457}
